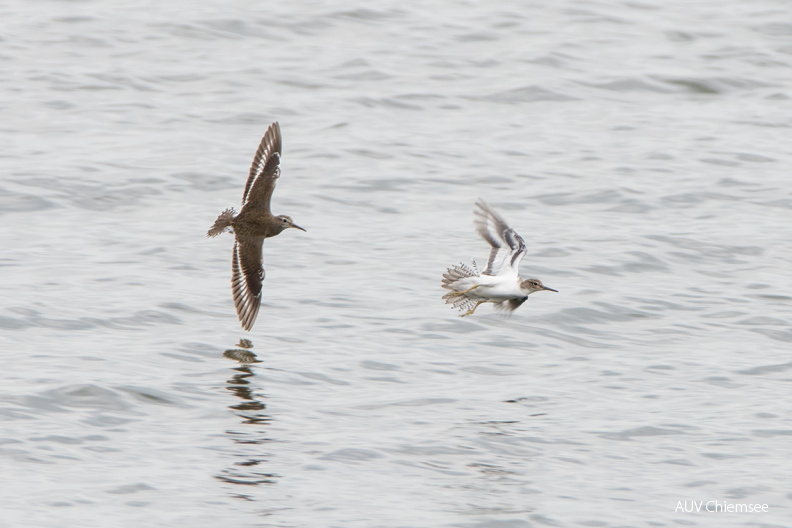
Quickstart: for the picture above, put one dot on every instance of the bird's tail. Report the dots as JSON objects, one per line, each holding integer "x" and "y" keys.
{"x": 222, "y": 223}
{"x": 451, "y": 277}
{"x": 459, "y": 272}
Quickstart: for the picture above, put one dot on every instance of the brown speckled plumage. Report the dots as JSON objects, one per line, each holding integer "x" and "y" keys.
{"x": 252, "y": 225}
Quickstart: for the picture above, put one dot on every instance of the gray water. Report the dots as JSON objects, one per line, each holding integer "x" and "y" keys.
{"x": 641, "y": 149}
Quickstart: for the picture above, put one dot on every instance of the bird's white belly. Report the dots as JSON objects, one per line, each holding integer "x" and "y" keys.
{"x": 496, "y": 289}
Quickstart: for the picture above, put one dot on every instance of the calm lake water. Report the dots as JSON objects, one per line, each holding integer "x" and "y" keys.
{"x": 642, "y": 149}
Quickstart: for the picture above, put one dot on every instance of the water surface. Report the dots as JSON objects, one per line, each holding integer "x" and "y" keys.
{"x": 641, "y": 149}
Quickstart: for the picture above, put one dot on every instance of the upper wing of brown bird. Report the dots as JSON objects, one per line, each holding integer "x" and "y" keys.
{"x": 264, "y": 170}
{"x": 247, "y": 277}
{"x": 508, "y": 247}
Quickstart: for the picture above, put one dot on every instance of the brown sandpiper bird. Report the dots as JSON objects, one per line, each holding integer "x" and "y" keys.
{"x": 252, "y": 225}
{"x": 500, "y": 283}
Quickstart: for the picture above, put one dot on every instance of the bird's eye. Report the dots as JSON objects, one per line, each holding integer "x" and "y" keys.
{"x": 285, "y": 221}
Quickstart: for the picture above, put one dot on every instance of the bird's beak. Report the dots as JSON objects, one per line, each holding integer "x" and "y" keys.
{"x": 295, "y": 226}
{"x": 549, "y": 289}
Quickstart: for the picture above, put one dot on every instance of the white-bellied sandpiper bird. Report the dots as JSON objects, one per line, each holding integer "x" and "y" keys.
{"x": 252, "y": 225}
{"x": 500, "y": 283}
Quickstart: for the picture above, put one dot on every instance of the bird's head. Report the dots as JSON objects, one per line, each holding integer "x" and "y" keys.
{"x": 286, "y": 222}
{"x": 534, "y": 285}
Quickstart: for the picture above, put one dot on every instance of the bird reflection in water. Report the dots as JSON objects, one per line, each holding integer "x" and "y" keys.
{"x": 243, "y": 353}
{"x": 251, "y": 411}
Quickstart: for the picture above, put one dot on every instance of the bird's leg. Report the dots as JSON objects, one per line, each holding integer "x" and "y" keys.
{"x": 464, "y": 292}
{"x": 470, "y": 312}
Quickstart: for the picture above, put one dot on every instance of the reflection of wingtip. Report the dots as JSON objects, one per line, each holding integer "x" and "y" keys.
{"x": 243, "y": 356}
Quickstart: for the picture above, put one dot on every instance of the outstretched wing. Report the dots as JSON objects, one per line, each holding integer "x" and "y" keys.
{"x": 508, "y": 248}
{"x": 246, "y": 279}
{"x": 264, "y": 170}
